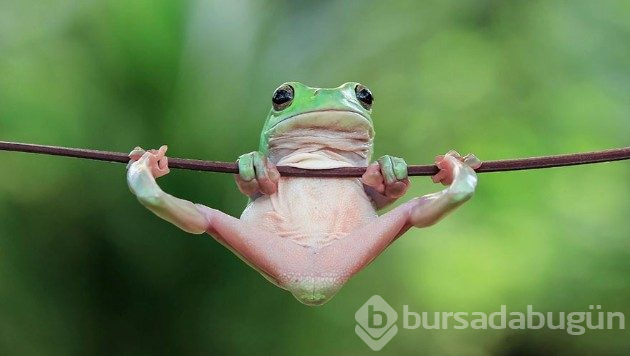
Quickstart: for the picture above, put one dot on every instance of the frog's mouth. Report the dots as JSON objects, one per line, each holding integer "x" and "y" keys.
{"x": 327, "y": 119}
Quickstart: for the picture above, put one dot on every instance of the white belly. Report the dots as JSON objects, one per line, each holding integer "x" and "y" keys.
{"x": 312, "y": 211}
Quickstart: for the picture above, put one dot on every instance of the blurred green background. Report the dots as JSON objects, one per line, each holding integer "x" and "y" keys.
{"x": 85, "y": 269}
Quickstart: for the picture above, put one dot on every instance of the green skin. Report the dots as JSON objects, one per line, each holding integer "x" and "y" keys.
{"x": 310, "y": 235}
{"x": 308, "y": 100}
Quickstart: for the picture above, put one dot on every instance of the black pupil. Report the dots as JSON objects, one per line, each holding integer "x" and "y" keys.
{"x": 282, "y": 96}
{"x": 365, "y": 96}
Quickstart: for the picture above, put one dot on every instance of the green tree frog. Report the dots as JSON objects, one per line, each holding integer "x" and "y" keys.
{"x": 310, "y": 235}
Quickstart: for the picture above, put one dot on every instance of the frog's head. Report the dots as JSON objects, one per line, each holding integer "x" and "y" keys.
{"x": 295, "y": 105}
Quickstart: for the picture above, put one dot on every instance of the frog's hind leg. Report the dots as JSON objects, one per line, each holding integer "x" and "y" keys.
{"x": 268, "y": 253}
{"x": 283, "y": 262}
{"x": 347, "y": 256}
{"x": 332, "y": 266}
{"x": 290, "y": 266}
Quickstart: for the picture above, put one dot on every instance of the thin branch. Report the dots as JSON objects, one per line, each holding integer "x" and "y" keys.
{"x": 616, "y": 154}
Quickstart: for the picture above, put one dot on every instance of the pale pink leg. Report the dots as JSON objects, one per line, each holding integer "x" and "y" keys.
{"x": 277, "y": 258}
{"x": 312, "y": 274}
{"x": 351, "y": 254}
{"x": 347, "y": 256}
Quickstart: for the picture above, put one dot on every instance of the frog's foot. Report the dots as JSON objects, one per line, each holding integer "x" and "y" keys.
{"x": 154, "y": 160}
{"x": 387, "y": 176}
{"x": 446, "y": 175}
{"x": 256, "y": 174}
{"x": 143, "y": 168}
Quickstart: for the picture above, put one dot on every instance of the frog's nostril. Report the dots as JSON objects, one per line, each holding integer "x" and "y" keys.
{"x": 316, "y": 92}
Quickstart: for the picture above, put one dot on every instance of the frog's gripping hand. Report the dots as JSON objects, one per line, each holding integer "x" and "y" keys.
{"x": 386, "y": 180}
{"x": 256, "y": 175}
{"x": 143, "y": 168}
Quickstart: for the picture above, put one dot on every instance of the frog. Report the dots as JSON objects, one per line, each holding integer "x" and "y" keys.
{"x": 310, "y": 235}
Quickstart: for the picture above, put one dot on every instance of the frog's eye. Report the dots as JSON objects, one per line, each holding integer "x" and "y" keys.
{"x": 282, "y": 97}
{"x": 364, "y": 95}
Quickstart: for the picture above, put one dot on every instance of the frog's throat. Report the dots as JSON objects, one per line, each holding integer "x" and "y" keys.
{"x": 329, "y": 119}
{"x": 320, "y": 148}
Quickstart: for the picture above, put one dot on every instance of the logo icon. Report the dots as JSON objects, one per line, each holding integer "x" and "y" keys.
{"x": 376, "y": 321}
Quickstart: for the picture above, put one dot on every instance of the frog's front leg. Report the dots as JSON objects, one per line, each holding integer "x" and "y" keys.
{"x": 386, "y": 180}
{"x": 256, "y": 175}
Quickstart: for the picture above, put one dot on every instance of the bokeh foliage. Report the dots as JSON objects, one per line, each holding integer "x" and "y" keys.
{"x": 84, "y": 269}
